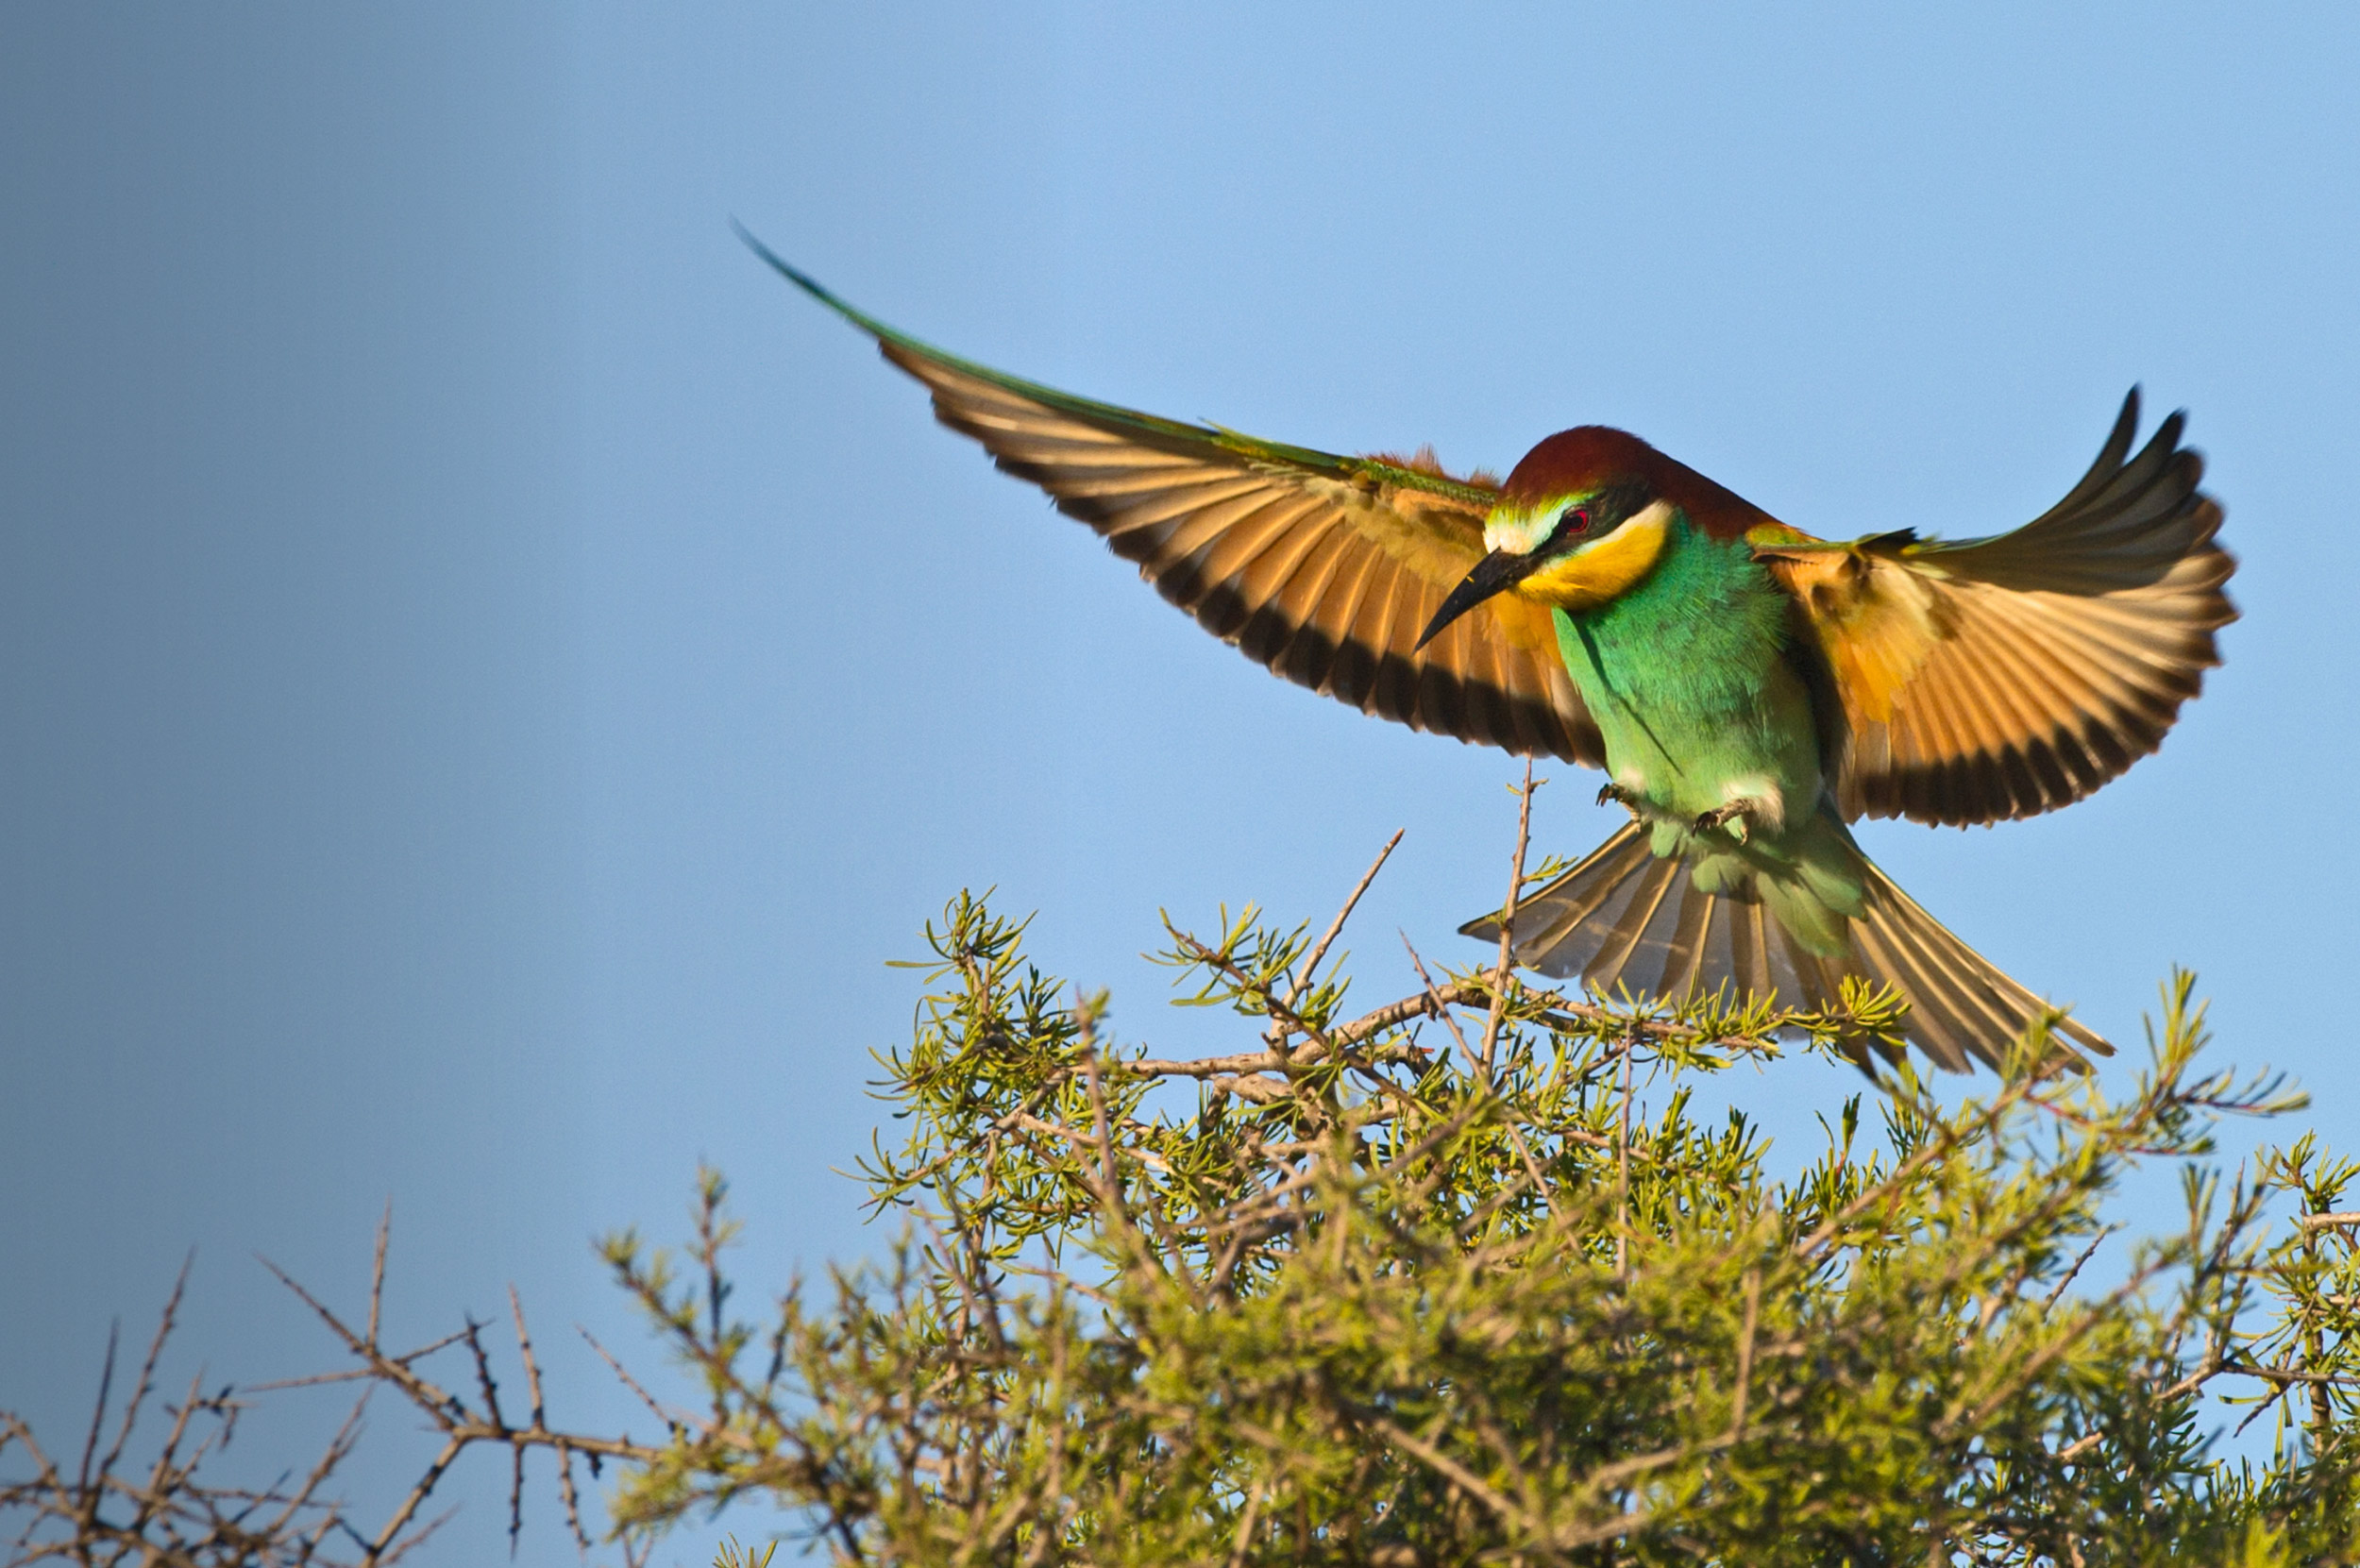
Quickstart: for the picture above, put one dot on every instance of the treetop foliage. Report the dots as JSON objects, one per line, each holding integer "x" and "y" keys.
{"x": 1471, "y": 1277}
{"x": 1424, "y": 1284}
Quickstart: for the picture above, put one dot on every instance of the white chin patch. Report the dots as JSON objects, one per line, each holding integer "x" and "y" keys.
{"x": 1517, "y": 538}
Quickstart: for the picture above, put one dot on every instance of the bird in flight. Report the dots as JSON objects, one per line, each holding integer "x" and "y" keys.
{"x": 1748, "y": 689}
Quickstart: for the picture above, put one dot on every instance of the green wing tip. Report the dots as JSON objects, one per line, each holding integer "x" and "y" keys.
{"x": 1128, "y": 418}
{"x": 1109, "y": 414}
{"x": 812, "y": 286}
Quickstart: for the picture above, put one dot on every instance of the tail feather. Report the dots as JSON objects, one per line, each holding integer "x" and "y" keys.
{"x": 1624, "y": 920}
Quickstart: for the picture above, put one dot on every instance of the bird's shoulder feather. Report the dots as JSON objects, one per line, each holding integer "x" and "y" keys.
{"x": 2002, "y": 676}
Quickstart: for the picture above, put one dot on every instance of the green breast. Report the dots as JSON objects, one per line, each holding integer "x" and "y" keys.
{"x": 1687, "y": 677}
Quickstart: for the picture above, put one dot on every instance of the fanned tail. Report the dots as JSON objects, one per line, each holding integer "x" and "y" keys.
{"x": 1624, "y": 919}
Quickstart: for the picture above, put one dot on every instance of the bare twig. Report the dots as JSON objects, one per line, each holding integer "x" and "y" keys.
{"x": 147, "y": 1383}
{"x": 171, "y": 1516}
{"x": 1457, "y": 1474}
{"x": 1439, "y": 1008}
{"x": 376, "y": 1272}
{"x": 671, "y": 1423}
{"x": 2065, "y": 1281}
{"x": 1503, "y": 974}
{"x": 1250, "y": 1514}
{"x": 1622, "y": 1177}
{"x": 1745, "y": 1352}
{"x": 416, "y": 1498}
{"x": 1429, "y": 1003}
{"x": 1335, "y": 927}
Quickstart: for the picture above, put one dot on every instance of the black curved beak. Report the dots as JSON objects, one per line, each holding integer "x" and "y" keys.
{"x": 1494, "y": 572}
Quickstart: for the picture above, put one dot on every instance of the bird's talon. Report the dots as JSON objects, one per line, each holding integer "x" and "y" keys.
{"x": 1624, "y": 798}
{"x": 1731, "y": 817}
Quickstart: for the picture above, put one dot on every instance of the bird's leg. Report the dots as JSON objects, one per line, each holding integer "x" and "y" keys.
{"x": 1631, "y": 800}
{"x": 1731, "y": 817}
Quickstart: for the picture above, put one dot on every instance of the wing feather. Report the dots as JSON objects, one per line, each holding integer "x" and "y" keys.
{"x": 1996, "y": 678}
{"x": 1323, "y": 568}
{"x": 1281, "y": 636}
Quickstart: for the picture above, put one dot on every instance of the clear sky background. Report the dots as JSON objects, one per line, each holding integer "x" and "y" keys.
{"x": 488, "y": 674}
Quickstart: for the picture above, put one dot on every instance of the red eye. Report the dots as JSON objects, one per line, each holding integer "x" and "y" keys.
{"x": 1577, "y": 520}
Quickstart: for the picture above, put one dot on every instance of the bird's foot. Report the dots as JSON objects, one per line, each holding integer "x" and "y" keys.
{"x": 1610, "y": 791}
{"x": 1731, "y": 818}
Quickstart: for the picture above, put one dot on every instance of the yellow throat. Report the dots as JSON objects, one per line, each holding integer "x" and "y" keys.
{"x": 1604, "y": 568}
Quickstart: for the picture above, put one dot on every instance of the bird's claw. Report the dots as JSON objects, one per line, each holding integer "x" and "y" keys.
{"x": 1610, "y": 791}
{"x": 1731, "y": 817}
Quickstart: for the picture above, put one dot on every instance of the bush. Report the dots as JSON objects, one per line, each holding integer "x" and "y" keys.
{"x": 1420, "y": 1285}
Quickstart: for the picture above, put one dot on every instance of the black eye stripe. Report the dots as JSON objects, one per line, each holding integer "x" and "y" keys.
{"x": 1594, "y": 517}
{"x": 1571, "y": 523}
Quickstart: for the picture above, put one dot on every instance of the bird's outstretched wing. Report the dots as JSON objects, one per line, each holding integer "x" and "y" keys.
{"x": 1323, "y": 568}
{"x": 1997, "y": 678}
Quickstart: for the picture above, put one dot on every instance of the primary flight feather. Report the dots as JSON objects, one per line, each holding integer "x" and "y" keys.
{"x": 1749, "y": 689}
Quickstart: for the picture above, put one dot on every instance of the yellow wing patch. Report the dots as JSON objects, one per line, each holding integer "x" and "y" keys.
{"x": 2004, "y": 677}
{"x": 1876, "y": 628}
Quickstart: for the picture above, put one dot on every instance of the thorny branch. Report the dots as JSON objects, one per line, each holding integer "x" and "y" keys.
{"x": 1367, "y": 1300}
{"x": 170, "y": 1513}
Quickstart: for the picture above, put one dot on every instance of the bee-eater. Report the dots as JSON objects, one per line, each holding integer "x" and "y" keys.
{"x": 1748, "y": 689}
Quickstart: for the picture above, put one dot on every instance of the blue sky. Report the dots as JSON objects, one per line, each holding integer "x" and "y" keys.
{"x": 490, "y": 674}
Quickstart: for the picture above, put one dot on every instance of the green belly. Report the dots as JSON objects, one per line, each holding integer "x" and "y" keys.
{"x": 1688, "y": 678}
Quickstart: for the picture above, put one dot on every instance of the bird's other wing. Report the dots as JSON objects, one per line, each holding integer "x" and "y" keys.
{"x": 1322, "y": 568}
{"x": 1996, "y": 678}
